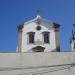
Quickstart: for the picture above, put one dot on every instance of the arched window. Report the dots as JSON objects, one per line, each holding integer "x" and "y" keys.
{"x": 31, "y": 37}
{"x": 46, "y": 37}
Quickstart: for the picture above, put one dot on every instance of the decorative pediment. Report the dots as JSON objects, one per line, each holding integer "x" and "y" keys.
{"x": 38, "y": 49}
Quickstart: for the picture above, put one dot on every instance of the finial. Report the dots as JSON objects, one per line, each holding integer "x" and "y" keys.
{"x": 73, "y": 32}
{"x": 38, "y": 12}
{"x": 73, "y": 29}
{"x": 38, "y": 17}
{"x": 73, "y": 25}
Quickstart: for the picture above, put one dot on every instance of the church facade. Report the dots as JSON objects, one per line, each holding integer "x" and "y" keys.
{"x": 38, "y": 35}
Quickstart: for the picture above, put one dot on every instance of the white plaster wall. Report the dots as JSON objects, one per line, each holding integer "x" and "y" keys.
{"x": 31, "y": 27}
{"x": 19, "y": 63}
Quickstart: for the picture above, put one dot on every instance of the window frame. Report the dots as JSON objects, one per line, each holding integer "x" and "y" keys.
{"x": 46, "y": 41}
{"x": 29, "y": 39}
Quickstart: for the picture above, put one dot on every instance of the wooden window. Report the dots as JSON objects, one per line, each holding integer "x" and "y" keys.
{"x": 31, "y": 37}
{"x": 46, "y": 37}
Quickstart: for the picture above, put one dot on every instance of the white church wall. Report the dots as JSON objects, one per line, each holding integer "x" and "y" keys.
{"x": 31, "y": 27}
{"x": 34, "y": 63}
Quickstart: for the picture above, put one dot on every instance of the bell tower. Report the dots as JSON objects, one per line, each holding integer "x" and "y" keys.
{"x": 72, "y": 41}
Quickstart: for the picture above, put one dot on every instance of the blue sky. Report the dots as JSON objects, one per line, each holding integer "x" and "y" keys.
{"x": 14, "y": 12}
